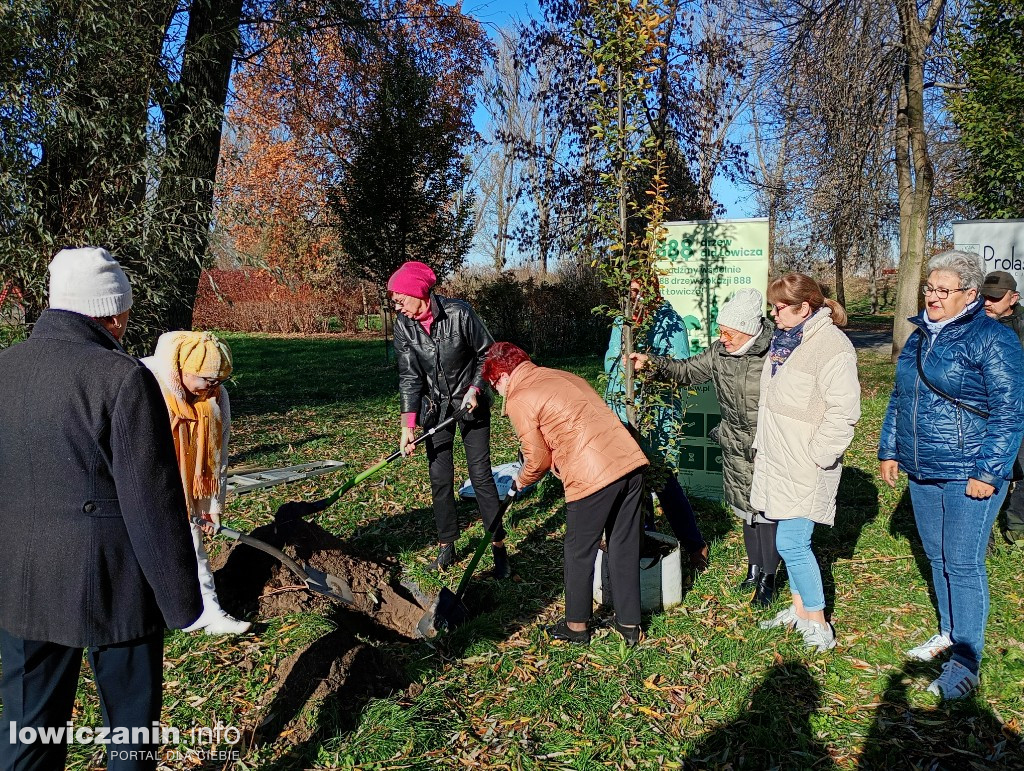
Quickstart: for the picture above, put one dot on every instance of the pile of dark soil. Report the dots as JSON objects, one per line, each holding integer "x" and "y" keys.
{"x": 249, "y": 581}
{"x": 332, "y": 677}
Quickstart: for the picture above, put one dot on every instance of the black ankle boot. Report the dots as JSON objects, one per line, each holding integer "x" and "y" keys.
{"x": 445, "y": 558}
{"x": 750, "y": 582}
{"x": 502, "y": 567}
{"x": 765, "y": 592}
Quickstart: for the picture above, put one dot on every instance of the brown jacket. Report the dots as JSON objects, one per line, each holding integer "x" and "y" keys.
{"x": 564, "y": 426}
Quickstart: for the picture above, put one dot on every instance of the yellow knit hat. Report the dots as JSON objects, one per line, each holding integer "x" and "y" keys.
{"x": 204, "y": 355}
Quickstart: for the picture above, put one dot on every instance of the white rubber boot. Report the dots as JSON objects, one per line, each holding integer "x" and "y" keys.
{"x": 213, "y": 620}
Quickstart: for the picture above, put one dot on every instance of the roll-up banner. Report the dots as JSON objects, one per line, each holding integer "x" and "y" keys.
{"x": 703, "y": 264}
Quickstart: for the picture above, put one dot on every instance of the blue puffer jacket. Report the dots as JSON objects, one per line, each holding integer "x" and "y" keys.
{"x": 978, "y": 361}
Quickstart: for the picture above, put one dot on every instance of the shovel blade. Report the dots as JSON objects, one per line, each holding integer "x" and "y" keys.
{"x": 329, "y": 585}
{"x": 446, "y": 613}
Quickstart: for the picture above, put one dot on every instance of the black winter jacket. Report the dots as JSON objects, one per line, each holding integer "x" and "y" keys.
{"x": 445, "y": 363}
{"x": 738, "y": 382}
{"x": 96, "y": 546}
{"x": 1015, "y": 321}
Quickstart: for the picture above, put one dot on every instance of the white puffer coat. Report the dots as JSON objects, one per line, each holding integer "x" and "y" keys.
{"x": 805, "y": 423}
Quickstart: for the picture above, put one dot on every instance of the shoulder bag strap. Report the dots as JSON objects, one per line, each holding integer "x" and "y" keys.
{"x": 933, "y": 387}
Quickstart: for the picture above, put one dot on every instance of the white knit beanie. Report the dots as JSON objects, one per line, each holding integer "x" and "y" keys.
{"x": 743, "y": 312}
{"x": 88, "y": 281}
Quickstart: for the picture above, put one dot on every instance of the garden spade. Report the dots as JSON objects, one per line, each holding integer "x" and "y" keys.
{"x": 315, "y": 580}
{"x": 448, "y": 610}
{"x": 293, "y": 510}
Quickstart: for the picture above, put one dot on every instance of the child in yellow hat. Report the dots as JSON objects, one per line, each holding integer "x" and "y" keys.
{"x": 191, "y": 368}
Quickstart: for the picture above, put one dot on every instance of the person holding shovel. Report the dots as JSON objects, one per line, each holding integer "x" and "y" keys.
{"x": 191, "y": 368}
{"x": 563, "y": 425}
{"x": 440, "y": 343}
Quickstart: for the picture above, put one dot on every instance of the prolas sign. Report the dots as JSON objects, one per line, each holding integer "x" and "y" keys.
{"x": 1000, "y": 244}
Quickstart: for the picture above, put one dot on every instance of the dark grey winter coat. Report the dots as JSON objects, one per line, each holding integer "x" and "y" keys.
{"x": 738, "y": 381}
{"x": 96, "y": 547}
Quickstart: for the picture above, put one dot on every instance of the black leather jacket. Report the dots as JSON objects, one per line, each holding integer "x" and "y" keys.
{"x": 445, "y": 363}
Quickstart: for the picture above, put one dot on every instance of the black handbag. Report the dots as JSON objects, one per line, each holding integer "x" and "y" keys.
{"x": 940, "y": 392}
{"x": 429, "y": 413}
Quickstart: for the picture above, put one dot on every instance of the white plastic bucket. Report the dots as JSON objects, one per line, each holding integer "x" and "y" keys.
{"x": 661, "y": 578}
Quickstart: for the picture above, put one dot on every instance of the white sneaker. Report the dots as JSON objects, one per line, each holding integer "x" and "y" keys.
{"x": 786, "y": 618}
{"x": 955, "y": 682}
{"x": 936, "y": 646}
{"x": 821, "y": 637}
{"x": 214, "y": 621}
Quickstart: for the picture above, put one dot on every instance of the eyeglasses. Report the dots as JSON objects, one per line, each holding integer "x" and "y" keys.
{"x": 941, "y": 292}
{"x": 212, "y": 382}
{"x": 779, "y": 306}
{"x": 727, "y": 336}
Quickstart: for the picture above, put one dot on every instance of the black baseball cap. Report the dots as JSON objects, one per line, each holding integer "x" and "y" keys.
{"x": 997, "y": 284}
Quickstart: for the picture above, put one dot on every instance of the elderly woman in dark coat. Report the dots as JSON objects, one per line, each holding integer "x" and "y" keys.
{"x": 954, "y": 424}
{"x": 734, "y": 363}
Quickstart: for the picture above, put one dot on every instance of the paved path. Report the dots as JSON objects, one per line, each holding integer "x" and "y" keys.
{"x": 872, "y": 339}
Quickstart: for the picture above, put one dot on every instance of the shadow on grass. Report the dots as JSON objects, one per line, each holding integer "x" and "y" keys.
{"x": 902, "y": 524}
{"x": 774, "y": 731}
{"x": 335, "y": 677}
{"x": 857, "y": 507}
{"x": 957, "y": 735}
{"x": 273, "y": 447}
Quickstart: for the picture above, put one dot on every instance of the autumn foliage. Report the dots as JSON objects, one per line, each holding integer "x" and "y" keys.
{"x": 251, "y": 300}
{"x": 292, "y": 121}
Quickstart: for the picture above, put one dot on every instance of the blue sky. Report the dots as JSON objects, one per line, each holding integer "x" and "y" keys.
{"x": 497, "y": 13}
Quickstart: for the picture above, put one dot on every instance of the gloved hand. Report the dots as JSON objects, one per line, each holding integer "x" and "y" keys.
{"x": 406, "y": 445}
{"x": 469, "y": 400}
{"x": 513, "y": 489}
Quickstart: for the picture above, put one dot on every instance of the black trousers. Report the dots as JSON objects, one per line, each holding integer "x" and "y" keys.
{"x": 613, "y": 511}
{"x": 759, "y": 540}
{"x": 38, "y": 690}
{"x": 476, "y": 438}
{"x": 1015, "y": 499}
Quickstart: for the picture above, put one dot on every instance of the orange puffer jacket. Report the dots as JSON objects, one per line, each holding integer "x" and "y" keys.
{"x": 564, "y": 426}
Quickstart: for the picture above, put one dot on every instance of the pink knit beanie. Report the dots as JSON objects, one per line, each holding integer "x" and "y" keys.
{"x": 414, "y": 279}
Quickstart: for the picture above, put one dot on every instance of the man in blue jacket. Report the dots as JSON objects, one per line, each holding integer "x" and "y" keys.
{"x": 96, "y": 551}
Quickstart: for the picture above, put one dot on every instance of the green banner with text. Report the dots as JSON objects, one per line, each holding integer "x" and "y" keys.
{"x": 703, "y": 264}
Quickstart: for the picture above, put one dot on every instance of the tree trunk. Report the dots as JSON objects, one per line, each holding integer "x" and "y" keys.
{"x": 914, "y": 171}
{"x": 194, "y": 120}
{"x": 625, "y": 303}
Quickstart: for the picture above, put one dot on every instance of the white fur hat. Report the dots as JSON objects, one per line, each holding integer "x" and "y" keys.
{"x": 88, "y": 281}
{"x": 743, "y": 312}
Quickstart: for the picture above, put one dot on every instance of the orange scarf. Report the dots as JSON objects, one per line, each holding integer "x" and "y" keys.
{"x": 197, "y": 439}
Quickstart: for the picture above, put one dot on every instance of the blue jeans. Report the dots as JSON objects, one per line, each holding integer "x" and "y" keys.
{"x": 954, "y": 530}
{"x": 793, "y": 540}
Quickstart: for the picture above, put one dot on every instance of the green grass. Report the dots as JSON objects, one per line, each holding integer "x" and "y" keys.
{"x": 708, "y": 689}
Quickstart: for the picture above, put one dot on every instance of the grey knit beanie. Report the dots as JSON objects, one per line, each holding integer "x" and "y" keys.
{"x": 88, "y": 281}
{"x": 743, "y": 312}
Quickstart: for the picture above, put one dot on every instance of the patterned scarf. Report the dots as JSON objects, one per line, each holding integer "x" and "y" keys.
{"x": 784, "y": 341}
{"x": 197, "y": 436}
